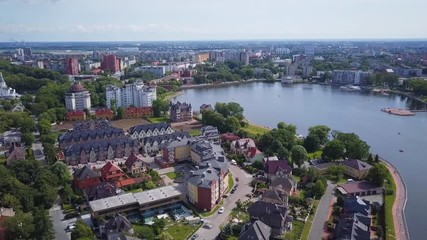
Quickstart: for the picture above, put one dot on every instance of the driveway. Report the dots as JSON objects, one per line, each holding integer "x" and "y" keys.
{"x": 229, "y": 203}
{"x": 322, "y": 213}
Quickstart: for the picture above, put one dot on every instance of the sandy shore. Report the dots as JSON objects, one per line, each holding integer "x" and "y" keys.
{"x": 399, "y": 220}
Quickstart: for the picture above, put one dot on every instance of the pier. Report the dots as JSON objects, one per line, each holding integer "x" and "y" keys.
{"x": 398, "y": 111}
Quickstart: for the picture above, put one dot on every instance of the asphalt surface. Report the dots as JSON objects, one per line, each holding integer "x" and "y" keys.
{"x": 320, "y": 218}
{"x": 59, "y": 224}
{"x": 217, "y": 219}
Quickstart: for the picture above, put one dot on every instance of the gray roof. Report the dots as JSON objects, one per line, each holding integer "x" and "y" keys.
{"x": 356, "y": 205}
{"x": 273, "y": 215}
{"x": 85, "y": 172}
{"x": 203, "y": 149}
{"x": 256, "y": 231}
{"x": 284, "y": 183}
{"x": 166, "y": 137}
{"x": 141, "y": 198}
{"x": 76, "y": 135}
{"x": 204, "y": 177}
{"x": 147, "y": 127}
{"x": 118, "y": 224}
{"x": 357, "y": 164}
{"x": 99, "y": 146}
{"x": 102, "y": 190}
{"x": 182, "y": 106}
{"x": 353, "y": 227}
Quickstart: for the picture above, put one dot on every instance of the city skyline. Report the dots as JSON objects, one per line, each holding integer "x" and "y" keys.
{"x": 64, "y": 20}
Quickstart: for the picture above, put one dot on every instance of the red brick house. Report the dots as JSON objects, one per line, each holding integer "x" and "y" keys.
{"x": 138, "y": 112}
{"x": 85, "y": 178}
{"x": 104, "y": 113}
{"x": 112, "y": 172}
{"x": 77, "y": 115}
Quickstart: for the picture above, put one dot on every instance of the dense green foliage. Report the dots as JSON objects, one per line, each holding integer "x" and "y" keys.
{"x": 299, "y": 155}
{"x": 278, "y": 141}
{"x": 227, "y": 117}
{"x": 97, "y": 89}
{"x": 419, "y": 86}
{"x": 377, "y": 174}
{"x": 333, "y": 150}
{"x": 82, "y": 231}
{"x": 31, "y": 79}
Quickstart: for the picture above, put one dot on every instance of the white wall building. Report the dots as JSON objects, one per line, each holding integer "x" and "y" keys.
{"x": 158, "y": 71}
{"x": 5, "y": 91}
{"x": 77, "y": 98}
{"x": 134, "y": 94}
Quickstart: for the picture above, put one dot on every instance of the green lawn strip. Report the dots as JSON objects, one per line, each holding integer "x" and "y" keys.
{"x": 307, "y": 225}
{"x": 230, "y": 182}
{"x": 295, "y": 233}
{"x": 389, "y": 201}
{"x": 134, "y": 190}
{"x": 195, "y": 132}
{"x": 172, "y": 175}
{"x": 315, "y": 155}
{"x": 181, "y": 231}
{"x": 157, "y": 119}
{"x": 255, "y": 130}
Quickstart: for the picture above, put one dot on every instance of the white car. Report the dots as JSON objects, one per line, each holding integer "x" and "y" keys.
{"x": 233, "y": 162}
{"x": 221, "y": 210}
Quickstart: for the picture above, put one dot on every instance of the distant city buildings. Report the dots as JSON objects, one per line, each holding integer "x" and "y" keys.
{"x": 5, "y": 91}
{"x": 201, "y": 57}
{"x": 350, "y": 77}
{"x": 112, "y": 63}
{"x": 157, "y": 71}
{"x": 134, "y": 94}
{"x": 72, "y": 66}
{"x": 77, "y": 98}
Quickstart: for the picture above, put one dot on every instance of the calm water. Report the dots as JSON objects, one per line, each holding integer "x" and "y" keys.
{"x": 359, "y": 112}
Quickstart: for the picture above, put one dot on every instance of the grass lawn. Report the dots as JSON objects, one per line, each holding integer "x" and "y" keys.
{"x": 158, "y": 119}
{"x": 135, "y": 190}
{"x": 180, "y": 231}
{"x": 297, "y": 227}
{"x": 195, "y": 132}
{"x": 315, "y": 155}
{"x": 389, "y": 200}
{"x": 255, "y": 130}
{"x": 172, "y": 175}
{"x": 307, "y": 225}
{"x": 230, "y": 182}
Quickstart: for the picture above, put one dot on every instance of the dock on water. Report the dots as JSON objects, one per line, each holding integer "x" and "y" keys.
{"x": 398, "y": 111}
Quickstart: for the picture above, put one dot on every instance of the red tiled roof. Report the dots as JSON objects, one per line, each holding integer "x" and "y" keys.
{"x": 272, "y": 167}
{"x": 75, "y": 113}
{"x": 253, "y": 151}
{"x": 361, "y": 186}
{"x": 137, "y": 109}
{"x": 103, "y": 111}
{"x": 229, "y": 137}
{"x": 109, "y": 167}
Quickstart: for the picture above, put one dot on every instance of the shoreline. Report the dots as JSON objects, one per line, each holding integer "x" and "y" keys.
{"x": 399, "y": 204}
{"x": 211, "y": 85}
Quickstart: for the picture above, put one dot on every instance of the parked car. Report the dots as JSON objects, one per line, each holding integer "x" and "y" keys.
{"x": 221, "y": 210}
{"x": 233, "y": 190}
{"x": 237, "y": 179}
{"x": 233, "y": 162}
{"x": 208, "y": 226}
{"x": 194, "y": 236}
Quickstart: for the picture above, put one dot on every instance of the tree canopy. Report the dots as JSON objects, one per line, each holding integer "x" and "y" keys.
{"x": 299, "y": 155}
{"x": 377, "y": 174}
{"x": 333, "y": 150}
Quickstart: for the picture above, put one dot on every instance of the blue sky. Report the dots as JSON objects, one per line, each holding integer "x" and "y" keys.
{"x": 146, "y": 20}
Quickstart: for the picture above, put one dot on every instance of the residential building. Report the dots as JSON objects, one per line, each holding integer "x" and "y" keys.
{"x": 256, "y": 231}
{"x": 350, "y": 77}
{"x": 285, "y": 184}
{"x": 229, "y": 137}
{"x": 253, "y": 154}
{"x": 273, "y": 215}
{"x": 134, "y": 94}
{"x": 356, "y": 205}
{"x": 76, "y": 115}
{"x": 275, "y": 196}
{"x": 116, "y": 227}
{"x": 111, "y": 172}
{"x": 241, "y": 146}
{"x": 206, "y": 107}
{"x": 201, "y": 151}
{"x": 138, "y": 112}
{"x": 157, "y": 71}
{"x": 148, "y": 130}
{"x": 14, "y": 154}
{"x": 201, "y": 57}
{"x": 85, "y": 178}
{"x": 135, "y": 165}
{"x": 10, "y": 138}
{"x": 356, "y": 168}
{"x": 359, "y": 188}
{"x": 5, "y": 91}
{"x": 77, "y": 98}
{"x": 176, "y": 151}
{"x": 353, "y": 226}
{"x": 72, "y": 66}
{"x": 146, "y": 203}
{"x": 156, "y": 143}
{"x": 104, "y": 113}
{"x": 4, "y": 214}
{"x": 208, "y": 184}
{"x": 244, "y": 58}
{"x": 181, "y": 112}
{"x": 275, "y": 168}
{"x": 100, "y": 191}
{"x": 112, "y": 63}
{"x": 210, "y": 133}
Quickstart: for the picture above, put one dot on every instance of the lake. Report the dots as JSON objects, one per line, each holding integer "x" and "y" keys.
{"x": 306, "y": 105}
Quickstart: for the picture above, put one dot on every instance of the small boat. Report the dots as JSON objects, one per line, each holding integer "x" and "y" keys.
{"x": 350, "y": 88}
{"x": 400, "y": 150}
{"x": 398, "y": 133}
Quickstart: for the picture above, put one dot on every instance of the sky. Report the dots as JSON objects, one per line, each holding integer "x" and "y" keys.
{"x": 175, "y": 20}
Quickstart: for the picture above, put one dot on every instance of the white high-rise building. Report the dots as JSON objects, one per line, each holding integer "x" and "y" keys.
{"x": 134, "y": 94}
{"x": 77, "y": 98}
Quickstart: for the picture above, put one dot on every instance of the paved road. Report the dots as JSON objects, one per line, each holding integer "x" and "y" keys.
{"x": 229, "y": 203}
{"x": 59, "y": 224}
{"x": 318, "y": 224}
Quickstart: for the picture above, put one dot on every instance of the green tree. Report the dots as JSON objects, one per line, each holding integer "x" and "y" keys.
{"x": 60, "y": 170}
{"x": 28, "y": 139}
{"x": 355, "y": 148}
{"x": 164, "y": 236}
{"x": 377, "y": 158}
{"x": 336, "y": 172}
{"x": 377, "y": 174}
{"x": 321, "y": 131}
{"x": 160, "y": 106}
{"x": 82, "y": 231}
{"x": 20, "y": 226}
{"x": 370, "y": 159}
{"x": 145, "y": 232}
{"x": 232, "y": 124}
{"x": 318, "y": 189}
{"x": 159, "y": 225}
{"x": 333, "y": 150}
{"x": 44, "y": 229}
{"x": 299, "y": 155}
{"x": 312, "y": 143}
{"x": 120, "y": 113}
{"x": 10, "y": 201}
